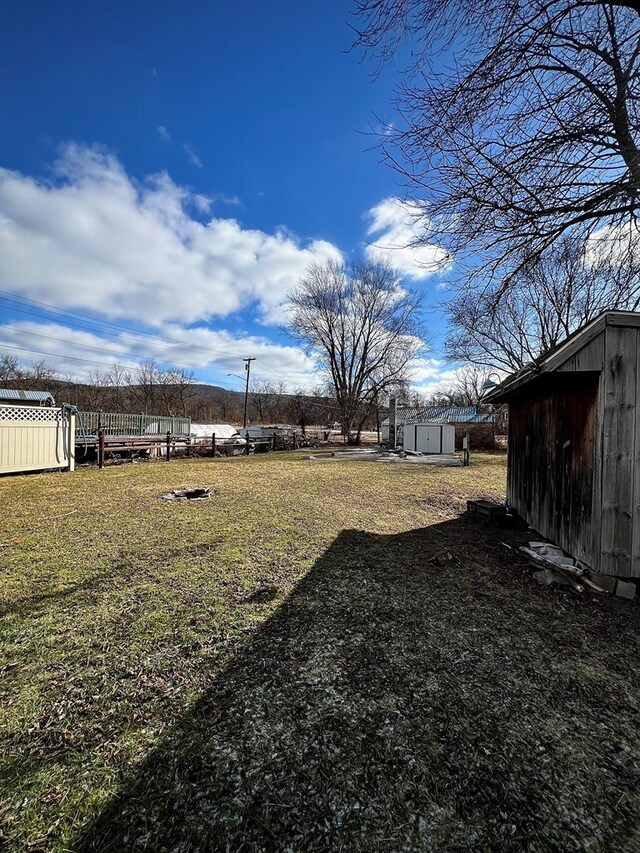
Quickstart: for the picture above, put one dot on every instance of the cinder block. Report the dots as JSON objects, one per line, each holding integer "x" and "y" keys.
{"x": 607, "y": 582}
{"x": 625, "y": 589}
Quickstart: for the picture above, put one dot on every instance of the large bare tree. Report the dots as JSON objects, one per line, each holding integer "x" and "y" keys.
{"x": 521, "y": 122}
{"x": 364, "y": 330}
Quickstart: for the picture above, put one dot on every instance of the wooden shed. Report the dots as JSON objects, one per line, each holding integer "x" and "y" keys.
{"x": 574, "y": 443}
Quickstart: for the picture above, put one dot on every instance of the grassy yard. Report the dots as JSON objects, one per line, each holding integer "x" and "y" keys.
{"x": 282, "y": 668}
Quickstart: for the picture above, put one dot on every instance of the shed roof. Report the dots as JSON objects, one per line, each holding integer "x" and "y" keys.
{"x": 555, "y": 357}
{"x": 428, "y": 424}
{"x": 16, "y": 395}
{"x": 440, "y": 415}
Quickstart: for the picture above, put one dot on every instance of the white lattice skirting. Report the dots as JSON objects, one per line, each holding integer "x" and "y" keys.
{"x": 34, "y": 438}
{"x": 31, "y": 414}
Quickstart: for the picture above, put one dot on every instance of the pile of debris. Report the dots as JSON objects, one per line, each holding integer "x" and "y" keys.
{"x": 189, "y": 494}
{"x": 562, "y": 569}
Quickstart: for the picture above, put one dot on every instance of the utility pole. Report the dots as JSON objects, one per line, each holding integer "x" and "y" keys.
{"x": 247, "y": 367}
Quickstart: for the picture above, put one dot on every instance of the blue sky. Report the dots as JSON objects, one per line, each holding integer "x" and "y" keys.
{"x": 171, "y": 169}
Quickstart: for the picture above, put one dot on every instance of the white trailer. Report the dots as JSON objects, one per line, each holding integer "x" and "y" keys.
{"x": 429, "y": 438}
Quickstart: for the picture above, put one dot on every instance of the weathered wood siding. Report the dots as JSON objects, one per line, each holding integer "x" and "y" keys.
{"x": 620, "y": 480}
{"x": 590, "y": 357}
{"x": 551, "y": 460}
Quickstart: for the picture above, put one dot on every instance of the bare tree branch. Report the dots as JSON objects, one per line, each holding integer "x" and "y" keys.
{"x": 531, "y": 134}
{"x": 548, "y": 299}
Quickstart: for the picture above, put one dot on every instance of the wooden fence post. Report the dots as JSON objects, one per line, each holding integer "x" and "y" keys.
{"x": 246, "y": 447}
{"x": 213, "y": 445}
{"x": 168, "y": 445}
{"x": 275, "y": 443}
{"x": 100, "y": 448}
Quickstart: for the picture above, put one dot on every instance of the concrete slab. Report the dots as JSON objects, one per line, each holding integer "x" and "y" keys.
{"x": 440, "y": 460}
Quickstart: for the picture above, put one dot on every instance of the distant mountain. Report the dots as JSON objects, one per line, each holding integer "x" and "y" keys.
{"x": 213, "y": 392}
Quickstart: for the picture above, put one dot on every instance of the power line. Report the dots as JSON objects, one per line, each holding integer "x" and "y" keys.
{"x": 102, "y": 349}
{"x": 60, "y": 312}
{"x": 7, "y": 296}
{"x": 186, "y": 347}
{"x": 73, "y": 325}
{"x": 56, "y": 355}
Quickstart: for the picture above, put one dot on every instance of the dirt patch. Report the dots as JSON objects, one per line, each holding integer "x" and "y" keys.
{"x": 199, "y": 494}
{"x": 450, "y": 504}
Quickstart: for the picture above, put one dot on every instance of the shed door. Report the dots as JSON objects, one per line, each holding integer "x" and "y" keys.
{"x": 552, "y": 461}
{"x": 430, "y": 439}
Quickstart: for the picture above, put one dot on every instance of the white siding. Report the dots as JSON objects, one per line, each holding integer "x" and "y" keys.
{"x": 34, "y": 439}
{"x": 429, "y": 438}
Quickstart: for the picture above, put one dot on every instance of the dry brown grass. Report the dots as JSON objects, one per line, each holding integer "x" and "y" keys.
{"x": 282, "y": 668}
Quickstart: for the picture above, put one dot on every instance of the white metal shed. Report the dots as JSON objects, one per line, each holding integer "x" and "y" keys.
{"x": 429, "y": 438}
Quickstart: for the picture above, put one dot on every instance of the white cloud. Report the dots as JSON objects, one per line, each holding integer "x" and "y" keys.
{"x": 191, "y": 154}
{"x": 163, "y": 133}
{"x": 429, "y": 375}
{"x": 399, "y": 225}
{"x": 96, "y": 239}
{"x": 613, "y": 246}
{"x": 204, "y": 350}
{"x": 232, "y": 200}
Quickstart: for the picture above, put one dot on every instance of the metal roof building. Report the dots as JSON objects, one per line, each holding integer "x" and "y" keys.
{"x": 435, "y": 415}
{"x": 440, "y": 415}
{"x": 29, "y": 398}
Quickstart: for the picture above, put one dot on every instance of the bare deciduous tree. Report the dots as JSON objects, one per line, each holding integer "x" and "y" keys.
{"x": 116, "y": 378}
{"x": 96, "y": 394}
{"x": 269, "y": 401}
{"x": 40, "y": 373}
{"x": 228, "y": 406}
{"x": 305, "y": 410}
{"x": 260, "y": 391}
{"x": 10, "y": 368}
{"x": 522, "y": 121}
{"x": 363, "y": 329}
{"x": 547, "y": 300}
{"x": 467, "y": 389}
{"x": 174, "y": 389}
{"x": 143, "y": 386}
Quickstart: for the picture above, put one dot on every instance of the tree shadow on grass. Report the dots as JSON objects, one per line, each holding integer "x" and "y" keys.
{"x": 391, "y": 704}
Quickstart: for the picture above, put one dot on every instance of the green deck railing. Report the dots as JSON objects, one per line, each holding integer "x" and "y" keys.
{"x": 117, "y": 423}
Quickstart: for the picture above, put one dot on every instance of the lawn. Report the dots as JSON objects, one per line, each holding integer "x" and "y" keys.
{"x": 283, "y": 668}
